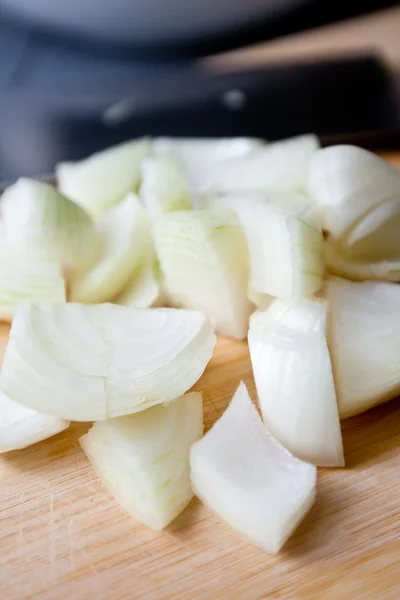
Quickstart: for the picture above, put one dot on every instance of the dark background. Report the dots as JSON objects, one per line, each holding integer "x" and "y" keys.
{"x": 55, "y": 90}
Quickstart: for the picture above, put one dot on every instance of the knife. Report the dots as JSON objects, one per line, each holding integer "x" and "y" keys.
{"x": 348, "y": 100}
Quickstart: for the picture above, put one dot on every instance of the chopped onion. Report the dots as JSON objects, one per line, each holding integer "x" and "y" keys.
{"x": 144, "y": 459}
{"x": 215, "y": 201}
{"x": 281, "y": 165}
{"x": 293, "y": 375}
{"x": 38, "y": 218}
{"x": 286, "y": 246}
{"x": 26, "y": 277}
{"x": 376, "y": 236}
{"x": 364, "y": 343}
{"x": 126, "y": 245}
{"x": 105, "y": 178}
{"x": 144, "y": 290}
{"x": 88, "y": 363}
{"x": 340, "y": 263}
{"x": 20, "y": 426}
{"x": 346, "y": 182}
{"x": 248, "y": 479}
{"x": 307, "y": 315}
{"x": 164, "y": 187}
{"x": 234, "y": 202}
{"x": 204, "y": 262}
{"x": 261, "y": 301}
{"x": 199, "y": 156}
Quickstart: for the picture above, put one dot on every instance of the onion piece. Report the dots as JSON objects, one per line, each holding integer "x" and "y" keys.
{"x": 364, "y": 343}
{"x": 164, "y": 187}
{"x": 248, "y": 479}
{"x": 126, "y": 245}
{"x": 39, "y": 219}
{"x": 144, "y": 459}
{"x": 376, "y": 236}
{"x": 204, "y": 262}
{"x": 281, "y": 165}
{"x": 340, "y": 263}
{"x": 144, "y": 290}
{"x": 20, "y": 426}
{"x": 233, "y": 202}
{"x": 88, "y": 363}
{"x": 199, "y": 156}
{"x": 25, "y": 277}
{"x": 216, "y": 202}
{"x": 346, "y": 182}
{"x": 293, "y": 375}
{"x": 285, "y": 244}
{"x": 261, "y": 301}
{"x": 102, "y": 180}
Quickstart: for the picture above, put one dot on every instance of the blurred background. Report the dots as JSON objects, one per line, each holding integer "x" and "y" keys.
{"x": 78, "y": 75}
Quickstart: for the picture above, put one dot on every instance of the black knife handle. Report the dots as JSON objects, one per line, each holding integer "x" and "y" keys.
{"x": 337, "y": 99}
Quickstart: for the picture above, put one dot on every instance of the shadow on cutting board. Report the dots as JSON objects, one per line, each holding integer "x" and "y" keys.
{"x": 365, "y": 436}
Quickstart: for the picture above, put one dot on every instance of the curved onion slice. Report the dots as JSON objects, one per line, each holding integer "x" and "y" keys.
{"x": 286, "y": 246}
{"x": 105, "y": 178}
{"x": 346, "y": 182}
{"x": 203, "y": 258}
{"x": 248, "y": 479}
{"x": 164, "y": 187}
{"x": 364, "y": 342}
{"x": 87, "y": 363}
{"x": 339, "y": 263}
{"x": 144, "y": 459}
{"x": 25, "y": 277}
{"x": 37, "y": 217}
{"x": 199, "y": 156}
{"x": 144, "y": 290}
{"x": 126, "y": 245}
{"x": 282, "y": 165}
{"x": 20, "y": 426}
{"x": 293, "y": 374}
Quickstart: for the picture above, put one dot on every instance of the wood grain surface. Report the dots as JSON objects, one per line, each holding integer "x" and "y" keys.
{"x": 64, "y": 537}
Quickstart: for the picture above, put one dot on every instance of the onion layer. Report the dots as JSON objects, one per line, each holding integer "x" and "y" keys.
{"x": 144, "y": 459}
{"x": 293, "y": 374}
{"x": 364, "y": 342}
{"x": 87, "y": 363}
{"x": 204, "y": 262}
{"x": 102, "y": 180}
{"x": 248, "y": 479}
{"x": 20, "y": 426}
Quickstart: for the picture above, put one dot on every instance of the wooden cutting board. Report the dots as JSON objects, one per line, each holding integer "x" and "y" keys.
{"x": 63, "y": 536}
